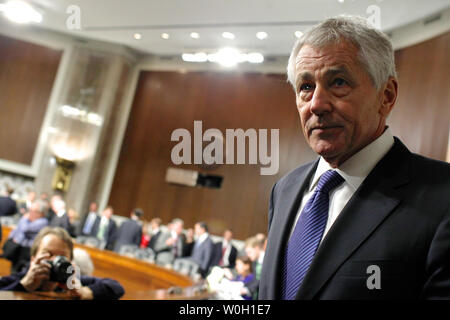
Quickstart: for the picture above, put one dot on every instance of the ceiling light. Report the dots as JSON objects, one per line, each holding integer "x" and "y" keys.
{"x": 196, "y": 57}
{"x": 261, "y": 35}
{"x": 228, "y": 35}
{"x": 298, "y": 34}
{"x": 20, "y": 12}
{"x": 341, "y": 1}
{"x": 165, "y": 36}
{"x": 255, "y": 57}
{"x": 137, "y": 36}
{"x": 195, "y": 35}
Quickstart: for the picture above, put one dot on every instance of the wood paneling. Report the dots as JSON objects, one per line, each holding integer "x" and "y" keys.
{"x": 165, "y": 101}
{"x": 421, "y": 116}
{"x": 27, "y": 73}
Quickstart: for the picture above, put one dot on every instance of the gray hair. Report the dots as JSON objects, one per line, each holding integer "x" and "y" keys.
{"x": 375, "y": 49}
{"x": 42, "y": 206}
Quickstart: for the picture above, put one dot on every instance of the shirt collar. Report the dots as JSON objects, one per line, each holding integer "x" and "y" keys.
{"x": 355, "y": 169}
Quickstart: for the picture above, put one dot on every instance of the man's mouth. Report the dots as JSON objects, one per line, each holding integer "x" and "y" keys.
{"x": 324, "y": 128}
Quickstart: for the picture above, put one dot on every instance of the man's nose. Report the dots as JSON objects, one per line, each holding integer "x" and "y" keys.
{"x": 320, "y": 102}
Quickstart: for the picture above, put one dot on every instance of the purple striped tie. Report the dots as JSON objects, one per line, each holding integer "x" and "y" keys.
{"x": 305, "y": 239}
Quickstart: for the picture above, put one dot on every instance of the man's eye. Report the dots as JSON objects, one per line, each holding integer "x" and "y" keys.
{"x": 339, "y": 82}
{"x": 306, "y": 87}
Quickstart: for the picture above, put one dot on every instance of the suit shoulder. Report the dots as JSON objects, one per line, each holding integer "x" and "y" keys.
{"x": 432, "y": 170}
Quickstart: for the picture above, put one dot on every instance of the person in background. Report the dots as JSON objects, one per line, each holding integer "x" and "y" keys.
{"x": 202, "y": 252}
{"x": 190, "y": 241}
{"x": 25, "y": 206}
{"x": 224, "y": 252}
{"x": 8, "y": 206}
{"x": 130, "y": 232}
{"x": 89, "y": 219}
{"x": 244, "y": 270}
{"x": 50, "y": 243}
{"x": 146, "y": 234}
{"x": 82, "y": 259}
{"x": 105, "y": 228}
{"x": 170, "y": 245}
{"x": 60, "y": 217}
{"x": 254, "y": 248}
{"x": 51, "y": 213}
{"x": 23, "y": 235}
{"x": 155, "y": 232}
{"x": 74, "y": 222}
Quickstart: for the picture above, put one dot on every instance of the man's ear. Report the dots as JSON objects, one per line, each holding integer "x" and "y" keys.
{"x": 388, "y": 96}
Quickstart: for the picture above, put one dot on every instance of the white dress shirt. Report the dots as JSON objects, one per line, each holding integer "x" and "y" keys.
{"x": 354, "y": 171}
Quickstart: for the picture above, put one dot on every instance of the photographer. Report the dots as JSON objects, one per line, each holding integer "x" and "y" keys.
{"x": 51, "y": 253}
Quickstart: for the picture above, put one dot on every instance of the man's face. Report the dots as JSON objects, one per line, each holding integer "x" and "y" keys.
{"x": 337, "y": 101}
{"x": 93, "y": 207}
{"x": 54, "y": 246}
{"x": 228, "y": 235}
{"x": 198, "y": 230}
{"x": 34, "y": 212}
{"x": 252, "y": 252}
{"x": 107, "y": 213}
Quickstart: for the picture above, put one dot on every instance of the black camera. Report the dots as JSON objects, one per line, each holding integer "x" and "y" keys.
{"x": 61, "y": 269}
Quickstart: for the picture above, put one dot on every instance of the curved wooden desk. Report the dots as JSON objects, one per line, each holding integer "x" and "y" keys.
{"x": 141, "y": 280}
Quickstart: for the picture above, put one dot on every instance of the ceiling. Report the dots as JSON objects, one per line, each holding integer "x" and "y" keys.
{"x": 118, "y": 20}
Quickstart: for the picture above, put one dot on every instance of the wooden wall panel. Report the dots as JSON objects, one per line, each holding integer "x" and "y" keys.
{"x": 165, "y": 101}
{"x": 27, "y": 73}
{"x": 421, "y": 117}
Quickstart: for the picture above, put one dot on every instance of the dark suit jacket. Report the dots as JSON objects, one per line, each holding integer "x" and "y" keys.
{"x": 154, "y": 240}
{"x": 129, "y": 232}
{"x": 8, "y": 206}
{"x": 217, "y": 256}
{"x": 111, "y": 232}
{"x": 203, "y": 255}
{"x": 64, "y": 223}
{"x": 398, "y": 220}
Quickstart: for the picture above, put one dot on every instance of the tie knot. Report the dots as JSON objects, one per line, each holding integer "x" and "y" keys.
{"x": 328, "y": 181}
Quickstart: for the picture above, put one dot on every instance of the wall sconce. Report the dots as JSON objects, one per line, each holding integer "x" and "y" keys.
{"x": 63, "y": 174}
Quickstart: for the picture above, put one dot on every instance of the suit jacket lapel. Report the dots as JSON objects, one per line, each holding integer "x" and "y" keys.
{"x": 371, "y": 204}
{"x": 281, "y": 225}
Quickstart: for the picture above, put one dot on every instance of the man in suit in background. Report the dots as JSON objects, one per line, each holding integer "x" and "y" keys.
{"x": 60, "y": 217}
{"x": 155, "y": 233}
{"x": 202, "y": 252}
{"x": 170, "y": 245}
{"x": 8, "y": 206}
{"x": 225, "y": 253}
{"x": 88, "y": 220}
{"x": 130, "y": 232}
{"x": 368, "y": 219}
{"x": 105, "y": 228}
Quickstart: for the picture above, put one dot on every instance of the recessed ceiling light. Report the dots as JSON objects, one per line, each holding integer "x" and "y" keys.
{"x": 137, "y": 36}
{"x": 195, "y": 35}
{"x": 165, "y": 36}
{"x": 20, "y": 12}
{"x": 298, "y": 34}
{"x": 341, "y": 1}
{"x": 228, "y": 35}
{"x": 261, "y": 35}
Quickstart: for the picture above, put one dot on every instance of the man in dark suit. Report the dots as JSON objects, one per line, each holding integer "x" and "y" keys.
{"x": 225, "y": 253}
{"x": 368, "y": 219}
{"x": 105, "y": 228}
{"x": 60, "y": 217}
{"x": 88, "y": 220}
{"x": 155, "y": 233}
{"x": 8, "y": 206}
{"x": 130, "y": 232}
{"x": 202, "y": 252}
